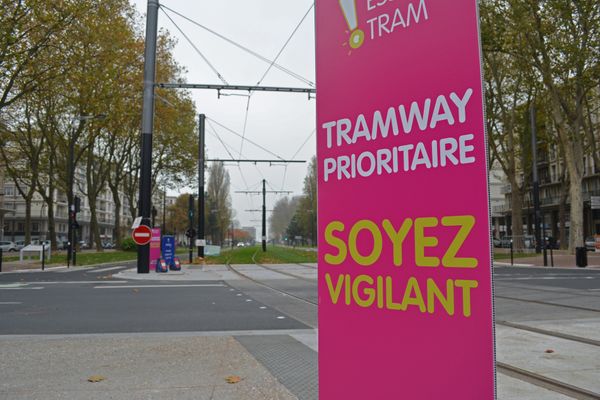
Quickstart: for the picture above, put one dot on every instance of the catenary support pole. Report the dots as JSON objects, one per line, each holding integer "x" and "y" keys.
{"x": 143, "y": 257}
{"x": 264, "y": 216}
{"x": 201, "y": 200}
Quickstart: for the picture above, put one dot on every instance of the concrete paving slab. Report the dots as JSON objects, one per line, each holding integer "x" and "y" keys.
{"x": 134, "y": 368}
{"x": 572, "y": 362}
{"x": 585, "y": 327}
{"x": 513, "y": 389}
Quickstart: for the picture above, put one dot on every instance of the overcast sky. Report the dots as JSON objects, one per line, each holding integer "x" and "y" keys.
{"x": 279, "y": 122}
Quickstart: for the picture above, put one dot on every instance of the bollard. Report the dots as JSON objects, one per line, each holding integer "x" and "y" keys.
{"x": 1, "y": 259}
{"x": 551, "y": 257}
{"x": 43, "y": 256}
{"x": 511, "y": 253}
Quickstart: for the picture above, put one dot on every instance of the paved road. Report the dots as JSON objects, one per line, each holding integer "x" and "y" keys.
{"x": 271, "y": 313}
{"x": 92, "y": 301}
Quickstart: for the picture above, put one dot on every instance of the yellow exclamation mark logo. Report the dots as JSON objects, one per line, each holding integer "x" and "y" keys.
{"x": 357, "y": 36}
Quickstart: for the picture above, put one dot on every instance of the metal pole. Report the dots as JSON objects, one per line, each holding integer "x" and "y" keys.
{"x": 75, "y": 246}
{"x": 511, "y": 253}
{"x": 191, "y": 226}
{"x": 1, "y": 255}
{"x": 264, "y": 216}
{"x": 164, "y": 210}
{"x": 43, "y": 256}
{"x": 70, "y": 198}
{"x": 201, "y": 200}
{"x": 232, "y": 238}
{"x": 545, "y": 241}
{"x": 536, "y": 184}
{"x": 143, "y": 258}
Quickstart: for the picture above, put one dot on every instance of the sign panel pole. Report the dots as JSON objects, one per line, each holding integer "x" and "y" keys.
{"x": 143, "y": 258}
{"x": 405, "y": 280}
{"x": 201, "y": 160}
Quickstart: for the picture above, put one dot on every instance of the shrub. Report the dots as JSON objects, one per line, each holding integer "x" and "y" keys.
{"x": 128, "y": 245}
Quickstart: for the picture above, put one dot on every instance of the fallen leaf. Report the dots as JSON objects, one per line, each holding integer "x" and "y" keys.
{"x": 549, "y": 351}
{"x": 136, "y": 290}
{"x": 233, "y": 379}
{"x": 96, "y": 378}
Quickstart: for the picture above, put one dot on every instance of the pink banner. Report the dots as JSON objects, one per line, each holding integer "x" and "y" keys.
{"x": 154, "y": 248}
{"x": 405, "y": 285}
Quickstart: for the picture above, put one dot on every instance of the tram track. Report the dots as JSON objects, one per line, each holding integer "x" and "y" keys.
{"x": 546, "y": 382}
{"x": 547, "y": 303}
{"x": 281, "y": 291}
{"x": 503, "y": 368}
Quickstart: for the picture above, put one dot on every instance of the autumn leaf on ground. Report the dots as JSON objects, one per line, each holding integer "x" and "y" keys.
{"x": 136, "y": 290}
{"x": 233, "y": 379}
{"x": 96, "y": 378}
{"x": 549, "y": 351}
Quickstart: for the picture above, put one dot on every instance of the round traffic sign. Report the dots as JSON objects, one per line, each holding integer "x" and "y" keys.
{"x": 142, "y": 235}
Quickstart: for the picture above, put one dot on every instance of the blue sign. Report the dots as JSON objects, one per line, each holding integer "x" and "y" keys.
{"x": 168, "y": 249}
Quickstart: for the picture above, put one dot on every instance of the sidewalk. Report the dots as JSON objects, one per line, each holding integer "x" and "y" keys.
{"x": 133, "y": 367}
{"x": 561, "y": 260}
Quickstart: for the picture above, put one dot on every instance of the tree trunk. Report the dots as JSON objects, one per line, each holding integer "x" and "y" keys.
{"x": 28, "y": 219}
{"x": 51, "y": 222}
{"x": 117, "y": 223}
{"x": 562, "y": 216}
{"x": 95, "y": 228}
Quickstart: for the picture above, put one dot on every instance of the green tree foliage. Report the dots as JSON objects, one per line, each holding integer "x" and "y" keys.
{"x": 280, "y": 218}
{"x": 304, "y": 222}
{"x": 218, "y": 203}
{"x": 545, "y": 52}
{"x": 61, "y": 64}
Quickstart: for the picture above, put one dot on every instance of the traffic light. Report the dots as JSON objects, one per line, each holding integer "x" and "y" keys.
{"x": 190, "y": 233}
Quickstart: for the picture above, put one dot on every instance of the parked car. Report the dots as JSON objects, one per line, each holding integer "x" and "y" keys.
{"x": 108, "y": 245}
{"x": 497, "y": 242}
{"x": 84, "y": 245}
{"x": 590, "y": 243}
{"x": 8, "y": 246}
{"x": 20, "y": 244}
{"x": 528, "y": 241}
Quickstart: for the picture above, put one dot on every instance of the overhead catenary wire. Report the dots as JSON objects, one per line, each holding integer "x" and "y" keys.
{"x": 304, "y": 143}
{"x": 248, "y": 140}
{"x": 269, "y": 69}
{"x": 196, "y": 48}
{"x": 286, "y": 43}
{"x": 241, "y": 47}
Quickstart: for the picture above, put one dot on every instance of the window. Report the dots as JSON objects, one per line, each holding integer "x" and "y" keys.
{"x": 35, "y": 227}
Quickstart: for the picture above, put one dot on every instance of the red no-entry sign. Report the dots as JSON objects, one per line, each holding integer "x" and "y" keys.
{"x": 142, "y": 235}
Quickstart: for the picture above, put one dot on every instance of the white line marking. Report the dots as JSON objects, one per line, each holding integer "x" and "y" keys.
{"x": 105, "y": 269}
{"x": 76, "y": 282}
{"x": 156, "y": 286}
{"x": 142, "y": 234}
{"x": 21, "y": 288}
{"x": 7, "y": 303}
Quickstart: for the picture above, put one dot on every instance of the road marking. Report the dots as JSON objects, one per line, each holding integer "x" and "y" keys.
{"x": 105, "y": 269}
{"x": 76, "y": 282}
{"x": 7, "y": 303}
{"x": 158, "y": 286}
{"x": 21, "y": 288}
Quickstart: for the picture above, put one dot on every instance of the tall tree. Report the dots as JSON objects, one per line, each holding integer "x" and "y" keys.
{"x": 283, "y": 211}
{"x": 218, "y": 202}
{"x": 561, "y": 40}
